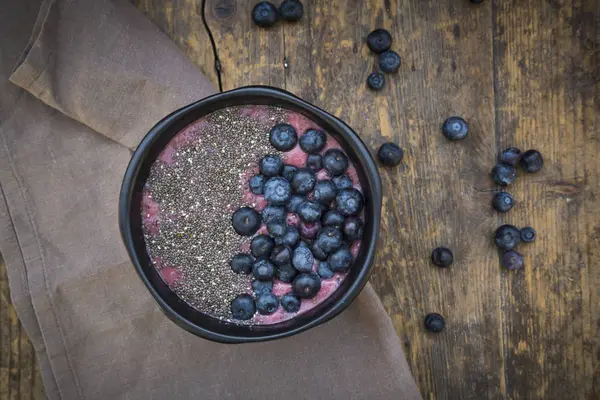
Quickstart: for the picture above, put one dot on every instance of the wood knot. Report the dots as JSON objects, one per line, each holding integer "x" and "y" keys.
{"x": 224, "y": 9}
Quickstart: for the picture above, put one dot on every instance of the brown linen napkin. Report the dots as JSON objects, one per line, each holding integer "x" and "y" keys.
{"x": 94, "y": 77}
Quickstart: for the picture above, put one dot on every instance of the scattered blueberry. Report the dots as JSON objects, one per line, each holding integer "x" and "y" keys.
{"x": 241, "y": 263}
{"x": 245, "y": 221}
{"x": 273, "y": 213}
{"x": 260, "y": 287}
{"x": 512, "y": 260}
{"x": 349, "y": 201}
{"x": 379, "y": 40}
{"x": 340, "y": 260}
{"x": 455, "y": 128}
{"x": 333, "y": 218}
{"x": 277, "y": 191}
{"x": 288, "y": 172}
{"x": 303, "y": 259}
{"x": 318, "y": 252}
{"x": 353, "y": 228}
{"x": 376, "y": 81}
{"x": 325, "y": 192}
{"x": 286, "y": 273}
{"x": 313, "y": 141}
{"x": 257, "y": 184}
{"x": 290, "y": 303}
{"x": 270, "y": 165}
{"x": 528, "y": 234}
{"x": 307, "y": 285}
{"x": 531, "y": 161}
{"x": 309, "y": 211}
{"x": 324, "y": 271}
{"x": 503, "y": 202}
{"x": 277, "y": 229}
{"x": 264, "y": 14}
{"x": 243, "y": 307}
{"x": 504, "y": 174}
{"x": 390, "y": 154}
{"x": 329, "y": 239}
{"x": 434, "y": 322}
{"x": 281, "y": 255}
{"x": 342, "y": 182}
{"x": 389, "y": 61}
{"x": 314, "y": 162}
{"x": 303, "y": 181}
{"x": 267, "y": 303}
{"x": 291, "y": 10}
{"x": 261, "y": 246}
{"x": 263, "y": 270}
{"x": 511, "y": 156}
{"x": 442, "y": 257}
{"x": 507, "y": 237}
{"x": 309, "y": 230}
{"x": 291, "y": 237}
{"x": 335, "y": 162}
{"x": 283, "y": 137}
{"x": 294, "y": 202}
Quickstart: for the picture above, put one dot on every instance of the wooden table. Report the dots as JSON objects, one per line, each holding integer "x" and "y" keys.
{"x": 524, "y": 73}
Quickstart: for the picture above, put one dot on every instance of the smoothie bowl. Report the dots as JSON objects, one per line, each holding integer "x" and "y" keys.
{"x": 251, "y": 215}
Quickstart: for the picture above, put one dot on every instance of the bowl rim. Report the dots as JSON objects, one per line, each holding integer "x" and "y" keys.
{"x": 127, "y": 193}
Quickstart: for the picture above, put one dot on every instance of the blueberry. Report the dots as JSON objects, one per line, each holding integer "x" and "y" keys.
{"x": 390, "y": 154}
{"x": 303, "y": 259}
{"x": 510, "y": 156}
{"x": 389, "y": 61}
{"x": 512, "y": 260}
{"x": 281, "y": 255}
{"x": 307, "y": 285}
{"x": 245, "y": 221}
{"x": 325, "y": 192}
{"x": 286, "y": 273}
{"x": 335, "y": 162}
{"x": 340, "y": 260}
{"x": 267, "y": 303}
{"x": 379, "y": 40}
{"x": 376, "y": 81}
{"x": 291, "y": 10}
{"x": 288, "y": 172}
{"x": 304, "y": 243}
{"x": 531, "y": 161}
{"x": 260, "y": 287}
{"x": 242, "y": 307}
{"x": 434, "y": 322}
{"x": 309, "y": 230}
{"x": 318, "y": 252}
{"x": 241, "y": 263}
{"x": 329, "y": 239}
{"x": 309, "y": 211}
{"x": 273, "y": 213}
{"x": 528, "y": 234}
{"x": 283, "y": 137}
{"x": 314, "y": 162}
{"x": 349, "y": 202}
{"x": 257, "y": 184}
{"x": 507, "y": 237}
{"x": 291, "y": 237}
{"x": 342, "y": 182}
{"x": 264, "y": 14}
{"x": 270, "y": 165}
{"x": 261, "y": 246}
{"x": 313, "y": 141}
{"x": 303, "y": 181}
{"x": 442, "y": 257}
{"x": 333, "y": 218}
{"x": 324, "y": 271}
{"x": 353, "y": 228}
{"x": 277, "y": 191}
{"x": 263, "y": 270}
{"x": 455, "y": 128}
{"x": 290, "y": 303}
{"x": 503, "y": 202}
{"x": 277, "y": 229}
{"x": 294, "y": 203}
{"x": 504, "y": 174}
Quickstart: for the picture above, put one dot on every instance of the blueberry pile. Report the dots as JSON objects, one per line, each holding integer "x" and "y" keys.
{"x": 265, "y": 14}
{"x": 328, "y": 210}
{"x": 379, "y": 42}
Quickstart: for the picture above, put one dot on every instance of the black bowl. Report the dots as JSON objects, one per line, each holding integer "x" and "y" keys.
{"x": 179, "y": 311}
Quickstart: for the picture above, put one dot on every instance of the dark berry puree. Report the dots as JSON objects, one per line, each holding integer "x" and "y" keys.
{"x": 201, "y": 180}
